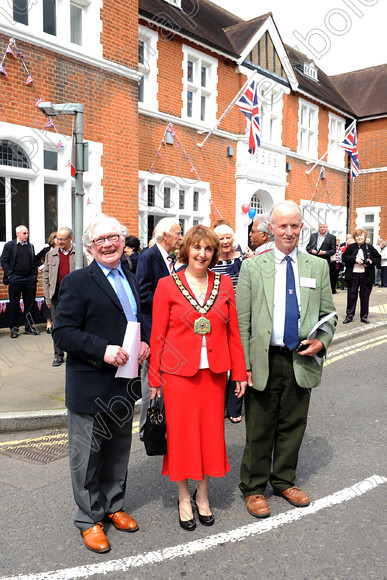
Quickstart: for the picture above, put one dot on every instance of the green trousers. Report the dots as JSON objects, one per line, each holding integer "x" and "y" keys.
{"x": 275, "y": 424}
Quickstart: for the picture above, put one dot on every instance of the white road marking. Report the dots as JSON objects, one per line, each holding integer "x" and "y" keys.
{"x": 259, "y": 527}
{"x": 339, "y": 354}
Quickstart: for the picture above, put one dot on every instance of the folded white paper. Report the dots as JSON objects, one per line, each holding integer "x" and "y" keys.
{"x": 132, "y": 345}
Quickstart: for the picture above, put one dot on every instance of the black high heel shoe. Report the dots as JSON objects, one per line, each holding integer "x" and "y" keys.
{"x": 189, "y": 525}
{"x": 205, "y": 520}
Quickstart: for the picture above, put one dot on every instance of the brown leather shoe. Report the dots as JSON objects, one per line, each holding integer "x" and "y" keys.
{"x": 257, "y": 506}
{"x": 295, "y": 496}
{"x": 95, "y": 539}
{"x": 123, "y": 522}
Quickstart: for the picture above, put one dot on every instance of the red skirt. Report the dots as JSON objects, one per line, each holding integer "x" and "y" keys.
{"x": 194, "y": 412}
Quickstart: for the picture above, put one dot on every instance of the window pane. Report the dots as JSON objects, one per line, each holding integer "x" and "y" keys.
{"x": 49, "y": 17}
{"x": 50, "y": 160}
{"x": 203, "y": 109}
{"x": 190, "y": 70}
{"x": 189, "y": 103}
{"x": 182, "y": 226}
{"x": 19, "y": 203}
{"x": 195, "y": 200}
{"x": 20, "y": 11}
{"x": 181, "y": 199}
{"x": 76, "y": 24}
{"x": 369, "y": 218}
{"x": 151, "y": 195}
{"x": 141, "y": 90}
{"x": 2, "y": 209}
{"x": 50, "y": 209}
{"x": 12, "y": 154}
{"x": 141, "y": 52}
{"x": 203, "y": 76}
{"x": 167, "y": 197}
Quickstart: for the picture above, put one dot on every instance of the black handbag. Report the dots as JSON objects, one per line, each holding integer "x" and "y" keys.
{"x": 155, "y": 431}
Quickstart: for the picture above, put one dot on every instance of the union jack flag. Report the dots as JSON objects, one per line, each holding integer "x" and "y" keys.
{"x": 60, "y": 145}
{"x": 10, "y": 51}
{"x": 350, "y": 146}
{"x": 49, "y": 123}
{"x": 3, "y": 71}
{"x": 38, "y": 102}
{"x": 29, "y": 80}
{"x": 248, "y": 104}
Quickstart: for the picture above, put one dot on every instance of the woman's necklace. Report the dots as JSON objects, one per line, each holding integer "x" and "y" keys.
{"x": 192, "y": 278}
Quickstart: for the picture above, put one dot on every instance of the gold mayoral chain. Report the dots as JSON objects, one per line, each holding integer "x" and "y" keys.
{"x": 202, "y": 325}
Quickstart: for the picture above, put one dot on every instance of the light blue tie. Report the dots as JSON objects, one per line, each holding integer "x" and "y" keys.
{"x": 291, "y": 307}
{"x": 122, "y": 295}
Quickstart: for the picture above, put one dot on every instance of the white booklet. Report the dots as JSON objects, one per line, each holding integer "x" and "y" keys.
{"x": 132, "y": 345}
{"x": 321, "y": 325}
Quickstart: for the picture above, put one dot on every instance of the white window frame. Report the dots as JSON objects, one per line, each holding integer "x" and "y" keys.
{"x": 209, "y": 92}
{"x": 33, "y": 31}
{"x": 270, "y": 105}
{"x": 335, "y": 138}
{"x": 34, "y": 142}
{"x": 149, "y": 68}
{"x": 316, "y": 212}
{"x": 370, "y": 227}
{"x": 202, "y": 215}
{"x": 307, "y": 129}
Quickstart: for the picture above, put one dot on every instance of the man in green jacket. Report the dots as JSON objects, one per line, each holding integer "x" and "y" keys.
{"x": 281, "y": 296}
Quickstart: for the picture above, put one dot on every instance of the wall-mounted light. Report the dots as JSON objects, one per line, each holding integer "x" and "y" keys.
{"x": 322, "y": 174}
{"x": 288, "y": 166}
{"x": 169, "y": 138}
{"x": 230, "y": 151}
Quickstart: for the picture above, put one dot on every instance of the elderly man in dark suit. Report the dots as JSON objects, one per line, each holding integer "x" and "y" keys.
{"x": 20, "y": 273}
{"x": 95, "y": 304}
{"x": 153, "y": 264}
{"x": 323, "y": 245}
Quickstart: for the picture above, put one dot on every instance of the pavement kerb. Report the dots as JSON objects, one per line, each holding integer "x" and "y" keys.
{"x": 57, "y": 419}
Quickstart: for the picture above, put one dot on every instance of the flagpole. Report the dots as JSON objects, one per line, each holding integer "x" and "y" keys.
{"x": 331, "y": 147}
{"x": 228, "y": 108}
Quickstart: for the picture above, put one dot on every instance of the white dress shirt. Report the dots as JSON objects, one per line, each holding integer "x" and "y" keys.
{"x": 277, "y": 335}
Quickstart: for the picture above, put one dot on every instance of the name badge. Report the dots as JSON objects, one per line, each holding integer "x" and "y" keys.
{"x": 307, "y": 282}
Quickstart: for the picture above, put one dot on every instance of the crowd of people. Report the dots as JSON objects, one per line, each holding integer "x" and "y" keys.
{"x": 219, "y": 325}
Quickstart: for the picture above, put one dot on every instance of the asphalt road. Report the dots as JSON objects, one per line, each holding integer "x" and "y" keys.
{"x": 340, "y": 536}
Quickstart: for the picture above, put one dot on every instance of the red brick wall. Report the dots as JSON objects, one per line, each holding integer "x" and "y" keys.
{"x": 110, "y": 105}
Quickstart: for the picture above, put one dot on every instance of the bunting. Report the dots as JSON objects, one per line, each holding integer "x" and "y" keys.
{"x": 170, "y": 129}
{"x": 329, "y": 202}
{"x": 14, "y": 51}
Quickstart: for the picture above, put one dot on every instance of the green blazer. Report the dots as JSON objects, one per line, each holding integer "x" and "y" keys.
{"x": 255, "y": 296}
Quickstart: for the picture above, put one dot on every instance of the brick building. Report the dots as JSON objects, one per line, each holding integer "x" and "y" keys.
{"x": 154, "y": 82}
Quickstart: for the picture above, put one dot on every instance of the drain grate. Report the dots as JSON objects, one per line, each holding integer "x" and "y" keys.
{"x": 40, "y": 449}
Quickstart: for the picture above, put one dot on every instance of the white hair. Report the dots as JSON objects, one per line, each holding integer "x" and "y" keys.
{"x": 164, "y": 226}
{"x": 110, "y": 222}
{"x": 287, "y": 203}
{"x": 224, "y": 229}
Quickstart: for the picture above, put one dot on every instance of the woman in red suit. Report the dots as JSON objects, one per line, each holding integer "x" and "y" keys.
{"x": 194, "y": 342}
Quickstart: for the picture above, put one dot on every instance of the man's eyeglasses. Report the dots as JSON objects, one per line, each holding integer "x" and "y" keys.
{"x": 100, "y": 241}
{"x": 62, "y": 239}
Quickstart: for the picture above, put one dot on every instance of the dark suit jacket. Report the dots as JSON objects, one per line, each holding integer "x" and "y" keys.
{"x": 8, "y": 259}
{"x": 150, "y": 268}
{"x": 89, "y": 317}
{"x": 328, "y": 245}
{"x": 349, "y": 258}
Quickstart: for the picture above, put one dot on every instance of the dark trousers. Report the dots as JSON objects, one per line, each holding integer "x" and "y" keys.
{"x": 333, "y": 275}
{"x": 275, "y": 424}
{"x": 357, "y": 286}
{"x": 99, "y": 449}
{"x": 54, "y": 303}
{"x": 19, "y": 286}
{"x": 384, "y": 276}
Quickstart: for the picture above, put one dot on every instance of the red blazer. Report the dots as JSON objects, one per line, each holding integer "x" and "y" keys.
{"x": 175, "y": 347}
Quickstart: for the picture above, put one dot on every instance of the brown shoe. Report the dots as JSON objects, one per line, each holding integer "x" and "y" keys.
{"x": 295, "y": 496}
{"x": 95, "y": 539}
{"x": 257, "y": 506}
{"x": 123, "y": 522}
